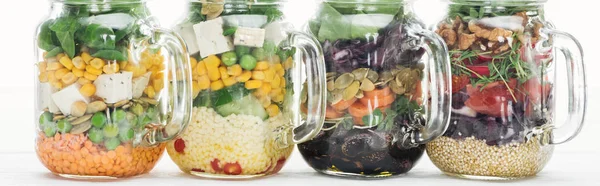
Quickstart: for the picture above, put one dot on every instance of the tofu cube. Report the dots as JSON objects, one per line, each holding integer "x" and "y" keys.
{"x": 45, "y": 93}
{"x": 277, "y": 31}
{"x": 252, "y": 37}
{"x": 187, "y": 33}
{"x": 139, "y": 84}
{"x": 67, "y": 96}
{"x": 210, "y": 39}
{"x": 113, "y": 88}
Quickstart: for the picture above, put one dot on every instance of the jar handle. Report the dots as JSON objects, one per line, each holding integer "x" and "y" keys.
{"x": 311, "y": 57}
{"x": 577, "y": 87}
{"x": 179, "y": 98}
{"x": 436, "y": 86}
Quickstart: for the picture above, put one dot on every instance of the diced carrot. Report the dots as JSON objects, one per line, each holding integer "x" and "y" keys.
{"x": 378, "y": 101}
{"x": 418, "y": 93}
{"x": 332, "y": 113}
{"x": 358, "y": 121}
{"x": 343, "y": 105}
{"x": 378, "y": 92}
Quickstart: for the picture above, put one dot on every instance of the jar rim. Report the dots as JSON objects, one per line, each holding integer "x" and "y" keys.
{"x": 91, "y": 2}
{"x": 254, "y": 2}
{"x": 366, "y": 1}
{"x": 500, "y": 2}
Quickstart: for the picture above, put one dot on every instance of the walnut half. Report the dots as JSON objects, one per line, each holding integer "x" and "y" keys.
{"x": 466, "y": 40}
{"x": 449, "y": 36}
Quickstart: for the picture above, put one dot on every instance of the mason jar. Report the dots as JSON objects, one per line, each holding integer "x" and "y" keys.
{"x": 504, "y": 73}
{"x": 387, "y": 89}
{"x": 111, "y": 88}
{"x": 249, "y": 67}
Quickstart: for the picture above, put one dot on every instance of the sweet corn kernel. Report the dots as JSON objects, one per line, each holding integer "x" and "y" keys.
{"x": 265, "y": 89}
{"x": 213, "y": 73}
{"x": 42, "y": 66}
{"x": 66, "y": 62}
{"x": 212, "y": 61}
{"x": 278, "y": 66}
{"x": 123, "y": 64}
{"x": 69, "y": 79}
{"x": 78, "y": 73}
{"x": 204, "y": 82}
{"x": 223, "y": 72}
{"x": 158, "y": 76}
{"x": 83, "y": 81}
{"x": 274, "y": 59}
{"x": 276, "y": 81}
{"x": 60, "y": 73}
{"x": 60, "y": 55}
{"x": 90, "y": 76}
{"x": 282, "y": 83}
{"x": 253, "y": 84}
{"x": 111, "y": 68}
{"x": 278, "y": 98}
{"x": 269, "y": 75}
{"x": 139, "y": 71}
{"x": 275, "y": 92}
{"x": 263, "y": 65}
{"x": 87, "y": 90}
{"x": 147, "y": 62}
{"x": 265, "y": 101}
{"x": 97, "y": 63}
{"x": 289, "y": 63}
{"x": 258, "y": 75}
{"x": 273, "y": 110}
{"x": 43, "y": 77}
{"x": 229, "y": 81}
{"x": 234, "y": 70}
{"x": 201, "y": 68}
{"x": 217, "y": 85}
{"x": 280, "y": 72}
{"x": 54, "y": 66}
{"x": 245, "y": 76}
{"x": 86, "y": 57}
{"x": 78, "y": 63}
{"x": 90, "y": 69}
{"x": 193, "y": 62}
{"x": 57, "y": 84}
{"x": 150, "y": 91}
{"x": 158, "y": 84}
{"x": 157, "y": 59}
{"x": 195, "y": 89}
{"x": 51, "y": 76}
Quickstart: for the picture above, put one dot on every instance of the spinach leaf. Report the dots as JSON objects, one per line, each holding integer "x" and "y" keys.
{"x": 229, "y": 31}
{"x": 65, "y": 24}
{"x": 273, "y": 14}
{"x": 333, "y": 24}
{"x": 373, "y": 119}
{"x": 54, "y": 52}
{"x": 110, "y": 55}
{"x": 203, "y": 99}
{"x": 99, "y": 37}
{"x": 45, "y": 41}
{"x": 67, "y": 42}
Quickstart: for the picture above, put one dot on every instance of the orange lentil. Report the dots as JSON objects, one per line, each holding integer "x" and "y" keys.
{"x": 111, "y": 154}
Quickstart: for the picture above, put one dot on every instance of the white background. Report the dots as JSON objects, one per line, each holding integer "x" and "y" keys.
{"x": 19, "y": 19}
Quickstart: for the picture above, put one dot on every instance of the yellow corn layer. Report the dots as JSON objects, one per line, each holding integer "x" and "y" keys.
{"x": 203, "y": 82}
{"x": 54, "y": 66}
{"x": 212, "y": 61}
{"x": 195, "y": 89}
{"x": 201, "y": 68}
{"x": 78, "y": 63}
{"x": 193, "y": 62}
{"x": 90, "y": 76}
{"x": 111, "y": 68}
{"x": 269, "y": 75}
{"x": 258, "y": 75}
{"x": 263, "y": 65}
{"x": 213, "y": 73}
{"x": 223, "y": 72}
{"x": 60, "y": 73}
{"x": 245, "y": 76}
{"x": 253, "y": 84}
{"x": 229, "y": 81}
{"x": 57, "y": 84}
{"x": 149, "y": 91}
{"x": 69, "y": 79}
{"x": 86, "y": 57}
{"x": 51, "y": 76}
{"x": 90, "y": 69}
{"x": 87, "y": 90}
{"x": 66, "y": 62}
{"x": 217, "y": 85}
{"x": 97, "y": 63}
{"x": 83, "y": 81}
{"x": 43, "y": 77}
{"x": 273, "y": 110}
{"x": 42, "y": 66}
{"x": 234, "y": 70}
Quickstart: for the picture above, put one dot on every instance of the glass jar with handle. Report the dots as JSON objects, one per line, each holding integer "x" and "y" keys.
{"x": 503, "y": 56}
{"x": 249, "y": 67}
{"x": 385, "y": 97}
{"x": 111, "y": 88}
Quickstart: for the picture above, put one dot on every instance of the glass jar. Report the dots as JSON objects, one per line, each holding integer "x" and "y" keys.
{"x": 249, "y": 67}
{"x": 111, "y": 88}
{"x": 503, "y": 122}
{"x": 385, "y": 97}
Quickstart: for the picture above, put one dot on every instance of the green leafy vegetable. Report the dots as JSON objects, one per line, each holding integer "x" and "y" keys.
{"x": 333, "y": 24}
{"x": 67, "y": 42}
{"x": 45, "y": 37}
{"x": 99, "y": 37}
{"x": 54, "y": 52}
{"x": 373, "y": 119}
{"x": 273, "y": 14}
{"x": 110, "y": 55}
{"x": 229, "y": 31}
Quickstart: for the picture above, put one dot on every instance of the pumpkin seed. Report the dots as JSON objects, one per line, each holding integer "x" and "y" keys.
{"x": 351, "y": 91}
{"x": 213, "y": 9}
{"x": 96, "y": 106}
{"x": 360, "y": 94}
{"x": 121, "y": 103}
{"x": 138, "y": 109}
{"x": 82, "y": 119}
{"x": 372, "y": 75}
{"x": 336, "y": 96}
{"x": 149, "y": 101}
{"x": 331, "y": 75}
{"x": 81, "y": 128}
{"x": 386, "y": 76}
{"x": 58, "y": 117}
{"x": 127, "y": 105}
{"x": 69, "y": 119}
{"x": 344, "y": 81}
{"x": 367, "y": 85}
{"x": 360, "y": 74}
{"x": 397, "y": 89}
{"x": 331, "y": 85}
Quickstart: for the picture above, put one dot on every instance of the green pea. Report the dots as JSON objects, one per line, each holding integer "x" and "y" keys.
{"x": 111, "y": 130}
{"x": 131, "y": 119}
{"x": 146, "y": 120}
{"x": 282, "y": 55}
{"x": 95, "y": 135}
{"x": 98, "y": 120}
{"x": 242, "y": 50}
{"x": 64, "y": 126}
{"x": 112, "y": 143}
{"x": 248, "y": 62}
{"x": 137, "y": 109}
{"x": 270, "y": 48}
{"x": 45, "y": 118}
{"x": 50, "y": 131}
{"x": 118, "y": 115}
{"x": 229, "y": 58}
{"x": 259, "y": 54}
{"x": 126, "y": 135}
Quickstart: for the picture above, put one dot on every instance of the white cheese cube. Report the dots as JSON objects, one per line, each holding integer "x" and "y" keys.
{"x": 252, "y": 21}
{"x": 210, "y": 39}
{"x": 277, "y": 31}
{"x": 186, "y": 31}
{"x": 45, "y": 93}
{"x": 67, "y": 96}
{"x": 252, "y": 37}
{"x": 113, "y": 88}
{"x": 139, "y": 84}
